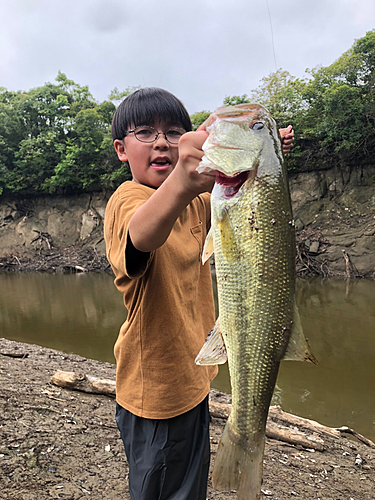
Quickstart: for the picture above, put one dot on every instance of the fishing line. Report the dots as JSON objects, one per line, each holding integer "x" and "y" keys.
{"x": 273, "y": 45}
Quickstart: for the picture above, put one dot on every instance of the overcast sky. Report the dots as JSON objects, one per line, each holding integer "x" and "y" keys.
{"x": 200, "y": 50}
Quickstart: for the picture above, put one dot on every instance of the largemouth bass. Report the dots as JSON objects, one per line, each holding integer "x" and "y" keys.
{"x": 253, "y": 238}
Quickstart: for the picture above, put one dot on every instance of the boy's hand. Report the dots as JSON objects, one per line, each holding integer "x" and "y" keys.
{"x": 287, "y": 138}
{"x": 190, "y": 155}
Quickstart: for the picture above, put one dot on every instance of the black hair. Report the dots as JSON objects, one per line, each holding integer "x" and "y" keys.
{"x": 145, "y": 107}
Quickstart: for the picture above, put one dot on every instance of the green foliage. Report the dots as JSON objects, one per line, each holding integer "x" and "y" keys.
{"x": 332, "y": 110}
{"x": 236, "y": 99}
{"x": 56, "y": 139}
{"x": 198, "y": 118}
{"x": 340, "y": 117}
{"x": 118, "y": 95}
{"x": 282, "y": 94}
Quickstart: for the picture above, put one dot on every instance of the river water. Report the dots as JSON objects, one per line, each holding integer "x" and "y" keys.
{"x": 83, "y": 313}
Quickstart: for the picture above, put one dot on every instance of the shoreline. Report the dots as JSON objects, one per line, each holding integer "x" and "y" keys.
{"x": 76, "y": 259}
{"x": 58, "y": 443}
{"x": 73, "y": 259}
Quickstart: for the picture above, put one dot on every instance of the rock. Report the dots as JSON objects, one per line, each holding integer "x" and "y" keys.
{"x": 299, "y": 225}
{"x": 314, "y": 247}
{"x": 305, "y": 187}
{"x": 89, "y": 222}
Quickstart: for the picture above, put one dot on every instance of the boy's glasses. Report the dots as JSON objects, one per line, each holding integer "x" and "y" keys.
{"x": 144, "y": 133}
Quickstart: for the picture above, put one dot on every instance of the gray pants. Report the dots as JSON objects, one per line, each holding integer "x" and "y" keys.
{"x": 168, "y": 459}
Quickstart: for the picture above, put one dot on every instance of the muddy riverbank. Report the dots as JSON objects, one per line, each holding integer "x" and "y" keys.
{"x": 56, "y": 443}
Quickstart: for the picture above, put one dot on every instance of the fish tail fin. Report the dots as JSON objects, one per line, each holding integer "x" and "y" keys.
{"x": 237, "y": 467}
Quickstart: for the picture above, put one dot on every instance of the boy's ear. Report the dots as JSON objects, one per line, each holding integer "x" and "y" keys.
{"x": 120, "y": 150}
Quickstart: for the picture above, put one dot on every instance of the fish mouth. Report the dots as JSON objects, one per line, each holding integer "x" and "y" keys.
{"x": 231, "y": 184}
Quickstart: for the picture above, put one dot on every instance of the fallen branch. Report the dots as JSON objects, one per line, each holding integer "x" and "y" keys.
{"x": 219, "y": 410}
{"x": 84, "y": 383}
{"x": 281, "y": 425}
{"x": 361, "y": 438}
{"x": 279, "y": 420}
{"x": 17, "y": 259}
{"x": 22, "y": 355}
{"x": 277, "y": 415}
{"x": 273, "y": 429}
{"x": 351, "y": 270}
{"x": 43, "y": 237}
{"x": 293, "y": 437}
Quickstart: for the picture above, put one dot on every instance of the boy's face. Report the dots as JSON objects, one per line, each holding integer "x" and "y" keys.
{"x": 150, "y": 163}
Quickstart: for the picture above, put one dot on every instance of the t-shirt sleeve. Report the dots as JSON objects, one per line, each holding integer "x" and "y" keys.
{"x": 122, "y": 255}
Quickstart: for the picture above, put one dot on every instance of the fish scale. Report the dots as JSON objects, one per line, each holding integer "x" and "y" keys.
{"x": 252, "y": 236}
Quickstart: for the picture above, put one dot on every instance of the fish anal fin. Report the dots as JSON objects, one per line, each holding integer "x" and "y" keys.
{"x": 298, "y": 348}
{"x": 213, "y": 351}
{"x": 208, "y": 248}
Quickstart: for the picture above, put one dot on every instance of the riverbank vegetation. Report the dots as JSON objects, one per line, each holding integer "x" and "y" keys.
{"x": 56, "y": 138}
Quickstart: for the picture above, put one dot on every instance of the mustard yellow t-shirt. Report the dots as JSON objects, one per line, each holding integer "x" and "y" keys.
{"x": 168, "y": 295}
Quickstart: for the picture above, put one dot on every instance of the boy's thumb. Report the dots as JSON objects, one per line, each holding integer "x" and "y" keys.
{"x": 202, "y": 126}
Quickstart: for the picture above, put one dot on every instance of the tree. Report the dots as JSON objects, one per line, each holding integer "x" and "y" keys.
{"x": 236, "y": 99}
{"x": 198, "y": 118}
{"x": 283, "y": 95}
{"x": 117, "y": 95}
{"x": 56, "y": 138}
{"x": 341, "y": 105}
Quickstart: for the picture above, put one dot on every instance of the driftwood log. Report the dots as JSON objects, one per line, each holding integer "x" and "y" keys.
{"x": 84, "y": 383}
{"x": 281, "y": 425}
{"x": 13, "y": 354}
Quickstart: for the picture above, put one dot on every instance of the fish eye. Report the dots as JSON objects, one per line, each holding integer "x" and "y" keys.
{"x": 257, "y": 126}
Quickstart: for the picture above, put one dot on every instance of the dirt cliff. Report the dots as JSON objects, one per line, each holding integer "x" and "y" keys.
{"x": 60, "y": 233}
{"x": 334, "y": 213}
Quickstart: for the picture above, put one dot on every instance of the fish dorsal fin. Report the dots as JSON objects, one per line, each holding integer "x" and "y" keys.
{"x": 213, "y": 351}
{"x": 208, "y": 248}
{"x": 298, "y": 349}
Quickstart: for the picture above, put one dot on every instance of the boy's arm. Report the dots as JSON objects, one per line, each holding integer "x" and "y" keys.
{"x": 152, "y": 223}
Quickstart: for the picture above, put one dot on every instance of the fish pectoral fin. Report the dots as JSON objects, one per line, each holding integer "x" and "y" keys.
{"x": 227, "y": 236}
{"x": 298, "y": 348}
{"x": 213, "y": 351}
{"x": 208, "y": 248}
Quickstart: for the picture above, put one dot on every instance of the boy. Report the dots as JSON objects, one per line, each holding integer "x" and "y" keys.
{"x": 155, "y": 228}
